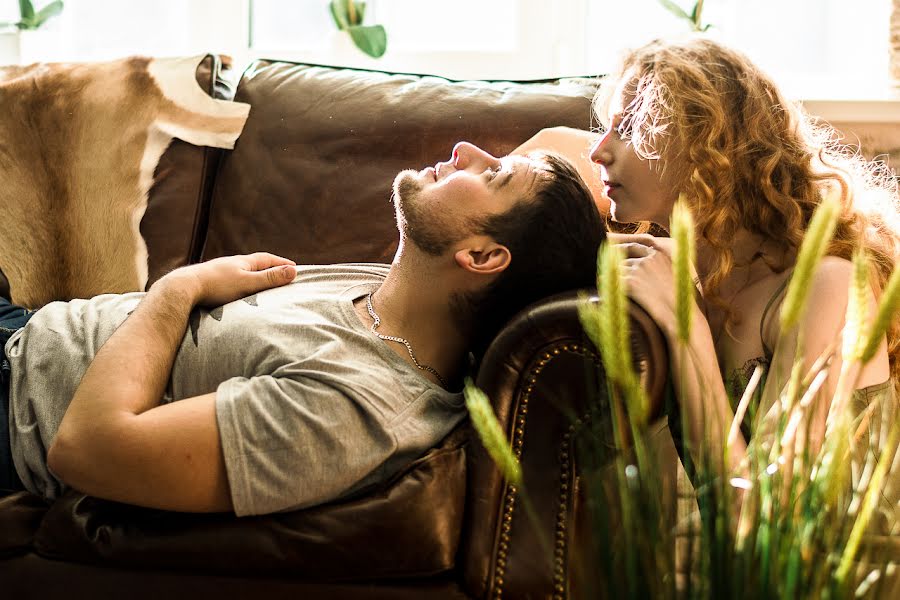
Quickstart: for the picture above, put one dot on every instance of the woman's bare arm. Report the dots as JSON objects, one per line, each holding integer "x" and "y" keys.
{"x": 575, "y": 146}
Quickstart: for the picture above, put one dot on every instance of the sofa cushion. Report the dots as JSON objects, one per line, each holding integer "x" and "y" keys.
{"x": 407, "y": 527}
{"x": 20, "y": 516}
{"x": 311, "y": 176}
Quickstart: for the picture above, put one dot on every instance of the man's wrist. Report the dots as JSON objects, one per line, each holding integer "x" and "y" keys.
{"x": 181, "y": 284}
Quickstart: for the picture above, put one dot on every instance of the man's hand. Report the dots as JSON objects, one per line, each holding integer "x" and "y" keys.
{"x": 223, "y": 280}
{"x": 115, "y": 440}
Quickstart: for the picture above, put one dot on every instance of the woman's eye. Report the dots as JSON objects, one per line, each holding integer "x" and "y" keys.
{"x": 622, "y": 126}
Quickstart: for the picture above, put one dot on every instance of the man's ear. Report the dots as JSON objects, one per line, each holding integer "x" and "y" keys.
{"x": 491, "y": 259}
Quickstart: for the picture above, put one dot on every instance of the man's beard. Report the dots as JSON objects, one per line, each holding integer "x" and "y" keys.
{"x": 429, "y": 232}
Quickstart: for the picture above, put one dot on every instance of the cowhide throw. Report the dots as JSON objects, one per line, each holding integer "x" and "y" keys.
{"x": 78, "y": 147}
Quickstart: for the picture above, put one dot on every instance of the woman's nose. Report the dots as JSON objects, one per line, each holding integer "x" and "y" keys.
{"x": 600, "y": 152}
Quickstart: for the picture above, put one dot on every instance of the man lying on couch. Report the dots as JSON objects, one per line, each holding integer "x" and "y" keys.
{"x": 291, "y": 395}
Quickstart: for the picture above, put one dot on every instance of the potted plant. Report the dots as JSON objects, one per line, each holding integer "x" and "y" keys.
{"x": 11, "y": 34}
{"x": 348, "y": 16}
{"x": 801, "y": 530}
{"x": 695, "y": 19}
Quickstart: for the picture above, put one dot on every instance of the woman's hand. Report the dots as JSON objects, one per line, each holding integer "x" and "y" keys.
{"x": 647, "y": 272}
{"x": 223, "y": 280}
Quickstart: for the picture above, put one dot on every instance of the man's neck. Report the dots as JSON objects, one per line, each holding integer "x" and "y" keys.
{"x": 412, "y": 306}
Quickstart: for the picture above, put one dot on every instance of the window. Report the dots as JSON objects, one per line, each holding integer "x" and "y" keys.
{"x": 464, "y": 38}
{"x": 104, "y": 29}
{"x": 814, "y": 48}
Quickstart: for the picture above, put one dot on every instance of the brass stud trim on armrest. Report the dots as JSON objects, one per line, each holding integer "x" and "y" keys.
{"x": 566, "y": 449}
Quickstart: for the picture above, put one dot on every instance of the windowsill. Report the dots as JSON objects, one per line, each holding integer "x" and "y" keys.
{"x": 868, "y": 106}
{"x": 872, "y": 110}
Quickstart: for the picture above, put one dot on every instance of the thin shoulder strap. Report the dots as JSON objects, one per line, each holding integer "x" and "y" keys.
{"x": 762, "y": 322}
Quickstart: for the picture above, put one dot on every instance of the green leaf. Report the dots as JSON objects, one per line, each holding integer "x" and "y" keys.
{"x": 26, "y": 9}
{"x": 675, "y": 9}
{"x": 697, "y": 12}
{"x": 49, "y": 11}
{"x": 360, "y": 12}
{"x": 338, "y": 14}
{"x": 371, "y": 39}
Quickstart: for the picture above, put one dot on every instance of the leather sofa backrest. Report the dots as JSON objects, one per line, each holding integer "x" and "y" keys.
{"x": 310, "y": 177}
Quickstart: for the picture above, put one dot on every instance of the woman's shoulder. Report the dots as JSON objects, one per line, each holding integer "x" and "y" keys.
{"x": 828, "y": 288}
{"x": 833, "y": 270}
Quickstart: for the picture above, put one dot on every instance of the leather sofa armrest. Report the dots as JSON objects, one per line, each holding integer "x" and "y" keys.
{"x": 541, "y": 374}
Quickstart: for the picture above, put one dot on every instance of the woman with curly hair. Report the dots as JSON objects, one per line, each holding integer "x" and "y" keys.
{"x": 697, "y": 118}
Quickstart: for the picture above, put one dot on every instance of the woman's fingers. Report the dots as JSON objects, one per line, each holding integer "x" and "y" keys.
{"x": 624, "y": 238}
{"x": 664, "y": 245}
{"x": 636, "y": 250}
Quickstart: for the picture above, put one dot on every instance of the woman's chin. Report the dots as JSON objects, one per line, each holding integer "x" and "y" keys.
{"x": 616, "y": 213}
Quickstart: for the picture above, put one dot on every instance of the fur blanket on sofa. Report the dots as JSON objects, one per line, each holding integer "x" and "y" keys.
{"x": 78, "y": 147}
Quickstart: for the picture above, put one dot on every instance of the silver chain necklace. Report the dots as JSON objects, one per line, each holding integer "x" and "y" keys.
{"x": 391, "y": 338}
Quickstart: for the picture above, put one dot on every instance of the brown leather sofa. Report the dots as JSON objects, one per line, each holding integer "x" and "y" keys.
{"x": 309, "y": 179}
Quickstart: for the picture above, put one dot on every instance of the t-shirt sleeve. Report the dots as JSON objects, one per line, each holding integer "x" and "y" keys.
{"x": 291, "y": 443}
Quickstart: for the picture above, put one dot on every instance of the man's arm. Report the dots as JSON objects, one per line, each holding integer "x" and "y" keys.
{"x": 115, "y": 441}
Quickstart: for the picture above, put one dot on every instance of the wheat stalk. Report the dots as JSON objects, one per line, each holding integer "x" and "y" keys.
{"x": 812, "y": 249}
{"x": 683, "y": 256}
{"x": 491, "y": 433}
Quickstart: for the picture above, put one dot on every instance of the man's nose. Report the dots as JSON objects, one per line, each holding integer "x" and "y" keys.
{"x": 466, "y": 154}
{"x": 600, "y": 152}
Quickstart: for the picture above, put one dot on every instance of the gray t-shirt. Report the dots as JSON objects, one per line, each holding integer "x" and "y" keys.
{"x": 310, "y": 405}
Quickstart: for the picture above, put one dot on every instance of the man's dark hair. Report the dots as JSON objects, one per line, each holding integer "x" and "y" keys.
{"x": 553, "y": 238}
